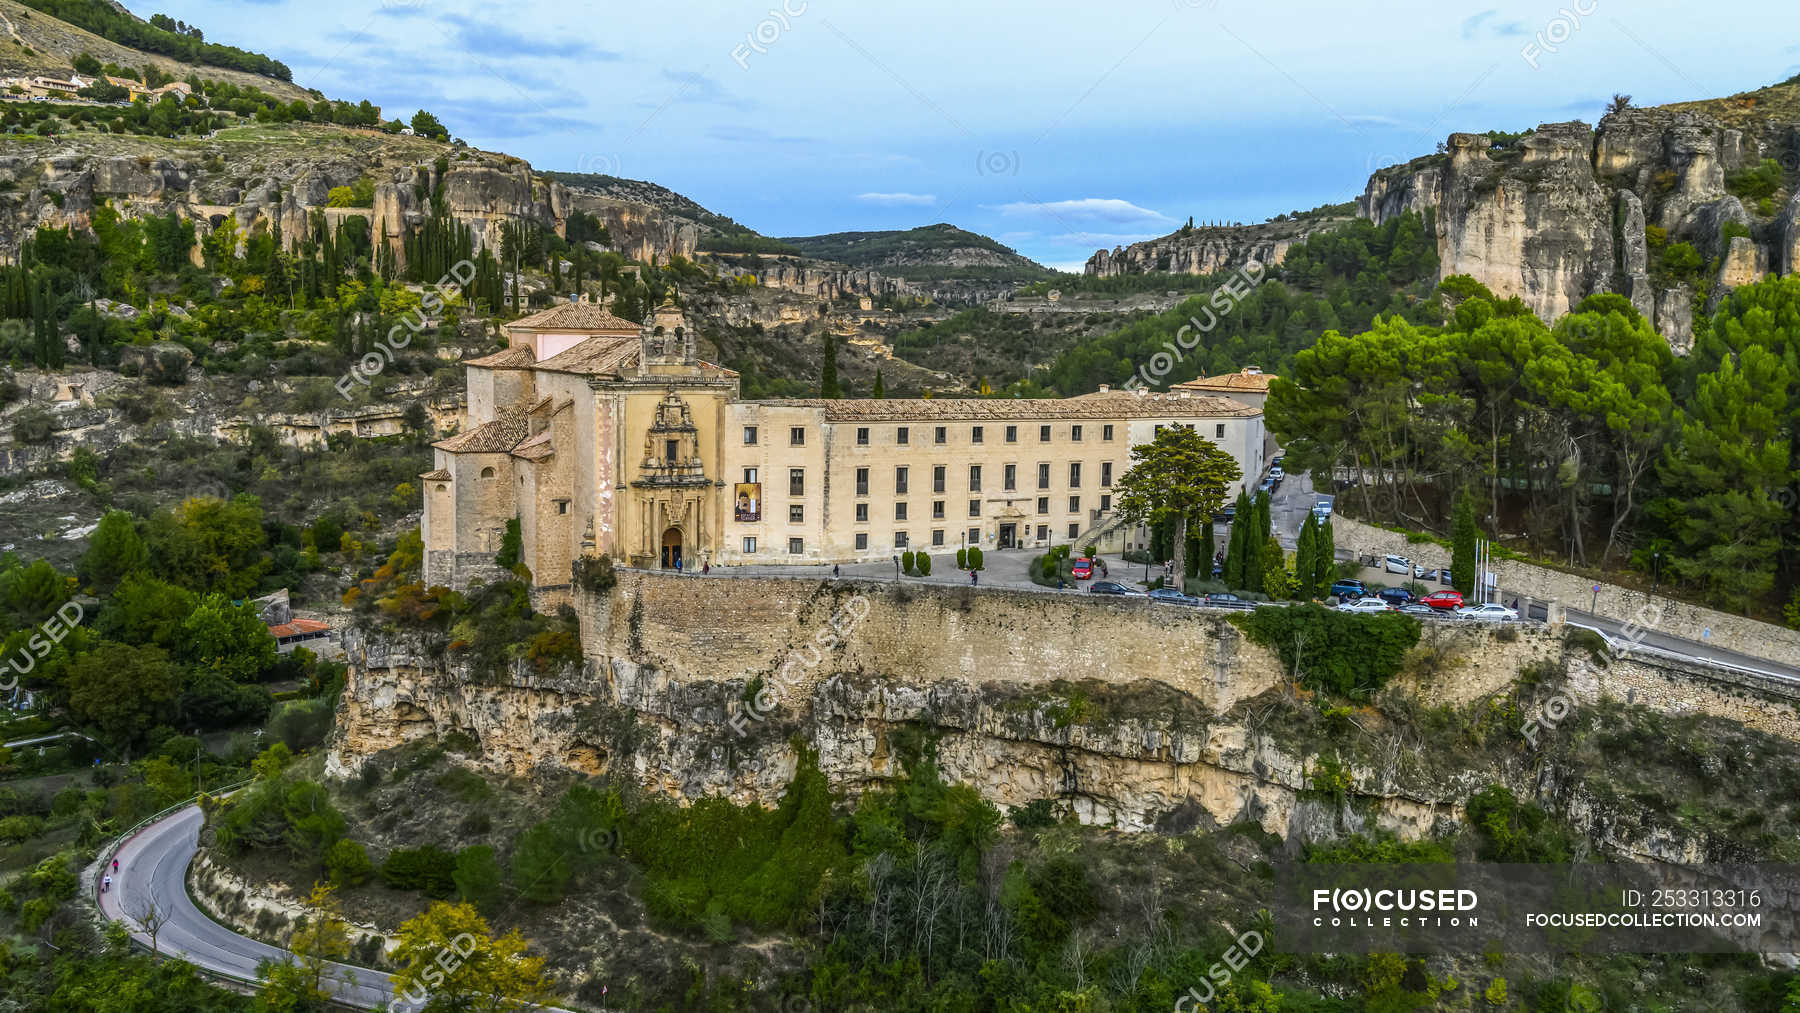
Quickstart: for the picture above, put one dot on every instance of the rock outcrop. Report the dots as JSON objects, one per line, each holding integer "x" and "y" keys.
{"x": 1210, "y": 249}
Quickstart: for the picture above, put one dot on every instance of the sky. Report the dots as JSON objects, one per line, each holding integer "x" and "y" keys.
{"x": 1056, "y": 127}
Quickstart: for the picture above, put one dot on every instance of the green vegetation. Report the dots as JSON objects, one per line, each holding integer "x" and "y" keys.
{"x": 924, "y": 245}
{"x": 1347, "y": 654}
{"x": 165, "y": 37}
{"x": 1178, "y": 479}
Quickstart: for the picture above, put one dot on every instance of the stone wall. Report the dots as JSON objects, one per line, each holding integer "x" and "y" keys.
{"x": 1677, "y": 619}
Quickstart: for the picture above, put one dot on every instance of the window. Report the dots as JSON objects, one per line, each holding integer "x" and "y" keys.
{"x": 796, "y": 481}
{"x": 672, "y": 451}
{"x": 937, "y": 537}
{"x": 974, "y": 508}
{"x": 796, "y": 546}
{"x": 974, "y": 536}
{"x": 1074, "y": 474}
{"x": 899, "y": 539}
{"x": 974, "y": 478}
{"x": 1075, "y": 433}
{"x": 1010, "y": 477}
{"x": 797, "y": 436}
{"x": 862, "y": 481}
{"x": 749, "y": 436}
{"x": 749, "y": 476}
{"x": 902, "y": 436}
{"x": 937, "y": 509}
{"x": 1219, "y": 431}
{"x": 1074, "y": 504}
{"x": 749, "y": 544}
{"x": 862, "y": 541}
{"x": 562, "y": 506}
{"x": 862, "y": 513}
{"x": 942, "y": 435}
{"x": 975, "y": 435}
{"x": 1043, "y": 532}
{"x": 1106, "y": 432}
{"x": 487, "y": 473}
{"x": 796, "y": 513}
{"x": 1074, "y": 530}
{"x": 1106, "y": 474}
{"x": 1105, "y": 503}
{"x": 1043, "y": 434}
{"x": 862, "y": 436}
{"x": 937, "y": 478}
{"x": 1012, "y": 434}
{"x": 1044, "y": 475}
{"x": 1043, "y": 506}
{"x": 900, "y": 480}
{"x": 899, "y": 511}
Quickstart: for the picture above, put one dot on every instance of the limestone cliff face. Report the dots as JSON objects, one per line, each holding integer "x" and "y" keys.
{"x": 1563, "y": 212}
{"x": 1209, "y": 249}
{"x": 53, "y": 184}
{"x": 1125, "y": 715}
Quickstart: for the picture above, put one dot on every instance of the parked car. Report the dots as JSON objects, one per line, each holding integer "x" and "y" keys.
{"x": 1416, "y": 609}
{"x": 1322, "y": 508}
{"x": 1397, "y": 564}
{"x": 1266, "y": 485}
{"x": 1395, "y": 596}
{"x": 1349, "y": 588}
{"x": 1275, "y": 471}
{"x": 1492, "y": 610}
{"x": 1170, "y": 596}
{"x": 1441, "y": 576}
{"x": 1449, "y": 601}
{"x": 1366, "y": 605}
{"x": 1421, "y": 573}
{"x": 1228, "y": 601}
{"x": 1109, "y": 587}
{"x": 1082, "y": 568}
{"x": 1227, "y": 513}
{"x": 1276, "y": 462}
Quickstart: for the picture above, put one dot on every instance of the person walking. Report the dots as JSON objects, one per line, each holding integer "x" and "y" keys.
{"x": 972, "y": 579}
{"x": 834, "y": 571}
{"x": 105, "y": 884}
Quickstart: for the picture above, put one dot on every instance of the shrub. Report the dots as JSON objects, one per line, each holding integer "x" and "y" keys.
{"x": 975, "y": 559}
{"x": 477, "y": 876}
{"x": 1039, "y": 812}
{"x": 594, "y": 574}
{"x": 1756, "y": 183}
{"x": 347, "y": 863}
{"x": 1352, "y": 655}
{"x": 906, "y": 562}
{"x": 428, "y": 869}
{"x": 962, "y": 559}
{"x": 923, "y": 562}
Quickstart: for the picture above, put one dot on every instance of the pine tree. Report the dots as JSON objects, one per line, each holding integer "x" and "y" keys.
{"x": 1463, "y": 535}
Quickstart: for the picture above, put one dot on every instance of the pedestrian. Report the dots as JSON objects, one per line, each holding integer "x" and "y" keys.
{"x": 105, "y": 884}
{"x": 834, "y": 571}
{"x": 706, "y": 568}
{"x": 972, "y": 580}
{"x": 115, "y": 865}
{"x": 677, "y": 566}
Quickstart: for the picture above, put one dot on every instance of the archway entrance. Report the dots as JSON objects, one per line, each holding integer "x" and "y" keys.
{"x": 671, "y": 548}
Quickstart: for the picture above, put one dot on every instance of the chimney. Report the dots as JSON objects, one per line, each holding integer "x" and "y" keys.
{"x": 1105, "y": 388}
{"x": 1252, "y": 370}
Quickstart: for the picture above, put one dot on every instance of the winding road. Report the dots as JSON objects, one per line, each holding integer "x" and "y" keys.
{"x": 153, "y": 868}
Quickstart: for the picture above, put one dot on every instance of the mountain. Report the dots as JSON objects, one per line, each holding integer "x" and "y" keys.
{"x": 929, "y": 246}
{"x": 1209, "y": 249}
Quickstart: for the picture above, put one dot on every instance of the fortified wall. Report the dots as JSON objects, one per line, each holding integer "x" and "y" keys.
{"x": 1120, "y": 712}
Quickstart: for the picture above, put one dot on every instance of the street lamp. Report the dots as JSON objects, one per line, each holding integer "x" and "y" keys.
{"x": 896, "y": 569}
{"x": 1655, "y": 571}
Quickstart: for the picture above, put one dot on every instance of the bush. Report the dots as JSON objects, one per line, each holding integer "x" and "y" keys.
{"x": 428, "y": 869}
{"x": 975, "y": 559}
{"x": 1039, "y": 812}
{"x": 347, "y": 863}
{"x": 594, "y": 574}
{"x": 962, "y": 559}
{"x": 1757, "y": 183}
{"x": 1352, "y": 655}
{"x": 301, "y": 724}
{"x": 906, "y": 562}
{"x": 923, "y": 562}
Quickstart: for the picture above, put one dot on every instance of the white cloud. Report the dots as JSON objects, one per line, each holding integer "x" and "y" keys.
{"x": 898, "y": 199}
{"x": 1110, "y": 210}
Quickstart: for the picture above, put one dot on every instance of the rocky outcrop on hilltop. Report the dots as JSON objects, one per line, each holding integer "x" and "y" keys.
{"x": 262, "y": 185}
{"x": 1568, "y": 211}
{"x": 1209, "y": 249}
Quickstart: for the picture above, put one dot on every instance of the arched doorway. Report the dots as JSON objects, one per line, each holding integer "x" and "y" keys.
{"x": 671, "y": 548}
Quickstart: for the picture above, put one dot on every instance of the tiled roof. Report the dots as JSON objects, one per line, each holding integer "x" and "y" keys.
{"x": 496, "y": 437}
{"x": 439, "y": 475}
{"x": 597, "y": 356}
{"x": 297, "y": 627}
{"x": 535, "y": 449}
{"x": 516, "y": 357}
{"x": 574, "y": 316}
{"x": 1240, "y": 381}
{"x": 1108, "y": 405}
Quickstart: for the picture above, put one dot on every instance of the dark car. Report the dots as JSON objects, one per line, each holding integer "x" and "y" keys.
{"x": 1416, "y": 609}
{"x": 1227, "y": 513}
{"x": 1349, "y": 589}
{"x": 1228, "y": 601}
{"x": 1395, "y": 596}
{"x": 1108, "y": 587}
{"x": 1170, "y": 596}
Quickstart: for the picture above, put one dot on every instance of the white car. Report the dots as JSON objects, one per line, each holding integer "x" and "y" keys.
{"x": 1365, "y": 605}
{"x": 1276, "y": 472}
{"x": 1397, "y": 564}
{"x": 1491, "y": 610}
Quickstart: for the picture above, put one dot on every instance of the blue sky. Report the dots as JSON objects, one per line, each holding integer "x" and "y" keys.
{"x": 1055, "y": 127}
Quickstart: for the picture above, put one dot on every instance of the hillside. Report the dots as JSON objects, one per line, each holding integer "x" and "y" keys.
{"x": 33, "y": 42}
{"x": 929, "y": 246}
{"x": 1209, "y": 249}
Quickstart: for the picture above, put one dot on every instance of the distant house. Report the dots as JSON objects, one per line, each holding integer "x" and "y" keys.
{"x": 180, "y": 89}
{"x": 292, "y": 634}
{"x": 46, "y": 87}
{"x": 134, "y": 89}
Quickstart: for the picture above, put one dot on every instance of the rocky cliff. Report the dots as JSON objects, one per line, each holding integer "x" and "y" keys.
{"x": 1567, "y": 210}
{"x": 1209, "y": 249}
{"x": 263, "y": 176}
{"x": 1127, "y": 716}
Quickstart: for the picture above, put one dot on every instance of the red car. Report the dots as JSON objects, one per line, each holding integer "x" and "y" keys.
{"x": 1444, "y": 600}
{"x": 1082, "y": 568}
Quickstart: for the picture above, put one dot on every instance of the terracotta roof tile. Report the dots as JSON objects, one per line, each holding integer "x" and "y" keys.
{"x": 535, "y": 449}
{"x": 1109, "y": 405}
{"x": 575, "y": 316}
{"x": 297, "y": 627}
{"x": 516, "y": 357}
{"x": 597, "y": 356}
{"x": 439, "y": 475}
{"x": 496, "y": 437}
{"x": 1240, "y": 381}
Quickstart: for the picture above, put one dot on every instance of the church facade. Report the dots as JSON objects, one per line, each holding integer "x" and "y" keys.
{"x": 600, "y": 436}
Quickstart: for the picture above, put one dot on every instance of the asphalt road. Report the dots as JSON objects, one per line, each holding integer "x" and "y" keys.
{"x": 153, "y": 867}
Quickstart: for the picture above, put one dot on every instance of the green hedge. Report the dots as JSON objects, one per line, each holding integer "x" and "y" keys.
{"x": 1345, "y": 653}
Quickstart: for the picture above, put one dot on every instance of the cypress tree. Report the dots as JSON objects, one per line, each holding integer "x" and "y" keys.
{"x": 1237, "y": 549}
{"x": 1306, "y": 556}
{"x": 1324, "y": 560}
{"x": 828, "y": 379}
{"x": 880, "y": 389}
{"x": 1207, "y": 549}
{"x": 1463, "y": 534}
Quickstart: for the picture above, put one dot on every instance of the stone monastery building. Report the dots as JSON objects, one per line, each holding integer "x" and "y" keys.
{"x": 602, "y": 436}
